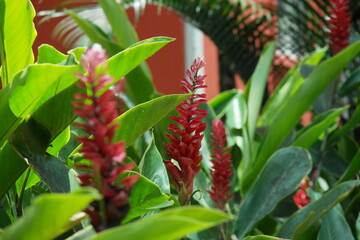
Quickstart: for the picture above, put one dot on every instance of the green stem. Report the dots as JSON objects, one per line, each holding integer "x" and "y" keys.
{"x": 21, "y": 195}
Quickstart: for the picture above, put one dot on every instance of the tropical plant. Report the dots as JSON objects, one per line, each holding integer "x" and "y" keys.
{"x": 272, "y": 155}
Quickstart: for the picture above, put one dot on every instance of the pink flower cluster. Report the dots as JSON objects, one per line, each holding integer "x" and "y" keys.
{"x": 186, "y": 136}
{"x": 98, "y": 108}
{"x": 339, "y": 24}
{"x": 222, "y": 166}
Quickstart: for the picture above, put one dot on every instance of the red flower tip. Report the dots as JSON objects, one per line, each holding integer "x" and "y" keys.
{"x": 339, "y": 23}
{"x": 222, "y": 166}
{"x": 301, "y": 198}
{"x": 99, "y": 109}
{"x": 186, "y": 136}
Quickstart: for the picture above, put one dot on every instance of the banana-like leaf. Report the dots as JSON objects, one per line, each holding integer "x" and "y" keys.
{"x": 50, "y": 215}
{"x": 17, "y": 34}
{"x": 171, "y": 224}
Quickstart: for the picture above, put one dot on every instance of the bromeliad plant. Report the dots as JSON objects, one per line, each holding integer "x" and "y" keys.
{"x": 41, "y": 161}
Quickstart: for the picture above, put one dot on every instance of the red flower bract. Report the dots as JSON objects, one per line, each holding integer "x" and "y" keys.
{"x": 222, "y": 166}
{"x": 339, "y": 24}
{"x": 98, "y": 109}
{"x": 301, "y": 198}
{"x": 187, "y": 135}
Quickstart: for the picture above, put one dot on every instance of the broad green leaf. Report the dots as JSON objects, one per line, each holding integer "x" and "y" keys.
{"x": 280, "y": 176}
{"x": 309, "y": 214}
{"x": 48, "y": 54}
{"x": 262, "y": 237}
{"x": 146, "y": 197}
{"x": 221, "y": 102}
{"x": 202, "y": 183}
{"x": 152, "y": 167}
{"x": 334, "y": 226}
{"x": 136, "y": 121}
{"x": 297, "y": 105}
{"x": 11, "y": 167}
{"x": 257, "y": 87}
{"x": 286, "y": 88}
{"x": 50, "y": 215}
{"x": 17, "y": 34}
{"x": 167, "y": 225}
{"x": 28, "y": 90}
{"x": 352, "y": 169}
{"x": 122, "y": 28}
{"x": 308, "y": 135}
{"x": 137, "y": 52}
{"x": 31, "y": 141}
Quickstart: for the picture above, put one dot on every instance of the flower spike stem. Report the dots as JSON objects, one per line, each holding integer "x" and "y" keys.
{"x": 98, "y": 108}
{"x": 186, "y": 136}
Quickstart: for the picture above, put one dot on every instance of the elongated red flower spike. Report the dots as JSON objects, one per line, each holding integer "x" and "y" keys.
{"x": 186, "y": 136}
{"x": 221, "y": 171}
{"x": 339, "y": 23}
{"x": 98, "y": 109}
{"x": 301, "y": 198}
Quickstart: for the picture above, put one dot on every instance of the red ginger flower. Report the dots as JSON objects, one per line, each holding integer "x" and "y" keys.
{"x": 339, "y": 24}
{"x": 98, "y": 108}
{"x": 186, "y": 137}
{"x": 301, "y": 198}
{"x": 222, "y": 166}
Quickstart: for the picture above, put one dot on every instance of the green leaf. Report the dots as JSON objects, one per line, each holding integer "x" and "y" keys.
{"x": 358, "y": 226}
{"x": 221, "y": 102}
{"x": 28, "y": 90}
{"x": 137, "y": 52}
{"x": 59, "y": 142}
{"x": 312, "y": 212}
{"x": 353, "y": 122}
{"x": 152, "y": 167}
{"x": 308, "y": 135}
{"x": 281, "y": 175}
{"x": 11, "y": 167}
{"x": 257, "y": 87}
{"x": 139, "y": 119}
{"x": 171, "y": 224}
{"x": 31, "y": 141}
{"x": 50, "y": 215}
{"x": 352, "y": 169}
{"x": 297, "y": 105}
{"x": 334, "y": 226}
{"x": 286, "y": 88}
{"x": 17, "y": 34}
{"x": 48, "y": 54}
{"x": 31, "y": 180}
{"x": 146, "y": 197}
{"x": 122, "y": 28}
{"x": 351, "y": 84}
